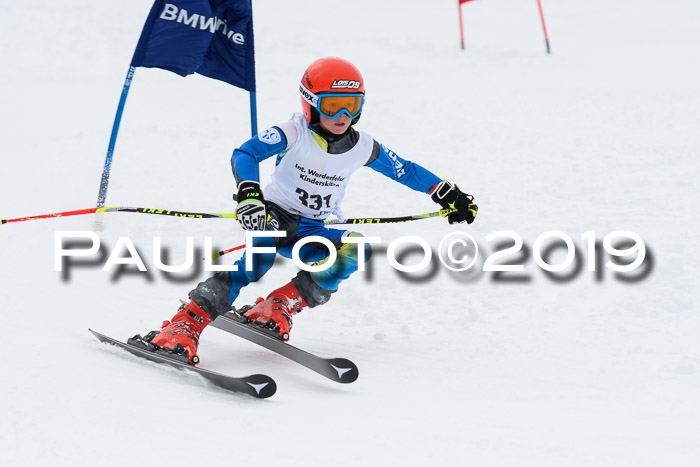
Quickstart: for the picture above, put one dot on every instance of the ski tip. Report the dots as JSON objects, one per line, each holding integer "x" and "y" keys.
{"x": 261, "y": 386}
{"x": 344, "y": 371}
{"x": 101, "y": 337}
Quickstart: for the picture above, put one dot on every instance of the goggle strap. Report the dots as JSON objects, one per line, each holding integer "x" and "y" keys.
{"x": 308, "y": 96}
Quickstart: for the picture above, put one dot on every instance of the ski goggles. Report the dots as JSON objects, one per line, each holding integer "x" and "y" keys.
{"x": 333, "y": 105}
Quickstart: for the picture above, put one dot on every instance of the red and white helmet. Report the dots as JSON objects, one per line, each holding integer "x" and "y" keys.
{"x": 331, "y": 87}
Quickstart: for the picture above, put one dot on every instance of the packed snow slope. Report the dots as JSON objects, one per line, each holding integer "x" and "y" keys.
{"x": 517, "y": 369}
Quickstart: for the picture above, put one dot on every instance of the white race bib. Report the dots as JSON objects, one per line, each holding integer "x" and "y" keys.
{"x": 311, "y": 182}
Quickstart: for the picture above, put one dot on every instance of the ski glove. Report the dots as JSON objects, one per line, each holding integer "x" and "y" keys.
{"x": 251, "y": 211}
{"x": 449, "y": 196}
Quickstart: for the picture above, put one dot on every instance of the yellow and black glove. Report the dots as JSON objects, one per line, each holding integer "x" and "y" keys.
{"x": 251, "y": 211}
{"x": 449, "y": 196}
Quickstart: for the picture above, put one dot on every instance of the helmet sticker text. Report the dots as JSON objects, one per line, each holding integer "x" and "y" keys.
{"x": 308, "y": 81}
{"x": 345, "y": 84}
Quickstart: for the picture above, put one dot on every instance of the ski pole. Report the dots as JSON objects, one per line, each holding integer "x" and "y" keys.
{"x": 391, "y": 220}
{"x": 162, "y": 212}
{"x": 359, "y": 220}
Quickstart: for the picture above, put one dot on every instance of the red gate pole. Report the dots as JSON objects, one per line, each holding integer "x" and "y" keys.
{"x": 461, "y": 26}
{"x": 544, "y": 28}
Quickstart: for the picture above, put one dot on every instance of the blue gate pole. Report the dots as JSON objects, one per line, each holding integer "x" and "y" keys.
{"x": 253, "y": 114}
{"x": 102, "y": 195}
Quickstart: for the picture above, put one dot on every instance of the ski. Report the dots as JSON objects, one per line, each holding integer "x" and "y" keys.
{"x": 260, "y": 386}
{"x": 340, "y": 370}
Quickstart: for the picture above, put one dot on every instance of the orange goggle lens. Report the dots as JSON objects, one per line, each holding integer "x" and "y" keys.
{"x": 333, "y": 105}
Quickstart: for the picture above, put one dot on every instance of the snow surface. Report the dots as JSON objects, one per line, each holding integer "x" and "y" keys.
{"x": 455, "y": 369}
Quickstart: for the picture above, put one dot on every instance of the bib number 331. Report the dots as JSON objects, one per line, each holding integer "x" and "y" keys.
{"x": 315, "y": 202}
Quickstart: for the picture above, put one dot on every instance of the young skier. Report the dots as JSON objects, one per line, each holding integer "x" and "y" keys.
{"x": 317, "y": 152}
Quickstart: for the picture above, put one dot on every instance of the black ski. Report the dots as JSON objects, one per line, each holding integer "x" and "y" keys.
{"x": 340, "y": 370}
{"x": 260, "y": 386}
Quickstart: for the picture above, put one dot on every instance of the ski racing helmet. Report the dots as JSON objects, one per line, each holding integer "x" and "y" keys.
{"x": 330, "y": 87}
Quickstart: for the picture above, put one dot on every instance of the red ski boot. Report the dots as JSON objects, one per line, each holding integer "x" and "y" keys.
{"x": 181, "y": 335}
{"x": 275, "y": 312}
